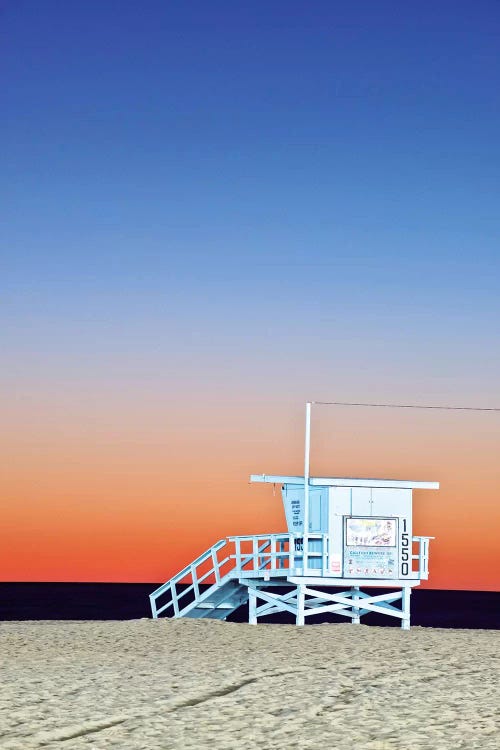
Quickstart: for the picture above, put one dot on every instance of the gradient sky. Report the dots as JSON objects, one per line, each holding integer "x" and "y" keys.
{"x": 213, "y": 212}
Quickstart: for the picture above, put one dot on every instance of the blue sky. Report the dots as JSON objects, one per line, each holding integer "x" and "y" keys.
{"x": 258, "y": 176}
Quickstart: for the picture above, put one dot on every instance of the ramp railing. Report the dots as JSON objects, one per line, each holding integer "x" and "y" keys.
{"x": 206, "y": 567}
{"x": 182, "y": 591}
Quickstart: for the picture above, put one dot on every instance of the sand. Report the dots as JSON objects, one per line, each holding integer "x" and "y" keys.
{"x": 146, "y": 684}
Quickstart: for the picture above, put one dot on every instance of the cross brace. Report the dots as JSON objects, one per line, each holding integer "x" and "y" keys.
{"x": 303, "y": 601}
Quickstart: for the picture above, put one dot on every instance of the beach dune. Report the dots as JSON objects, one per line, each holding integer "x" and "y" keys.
{"x": 161, "y": 684}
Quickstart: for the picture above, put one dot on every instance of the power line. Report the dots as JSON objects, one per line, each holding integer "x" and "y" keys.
{"x": 406, "y": 406}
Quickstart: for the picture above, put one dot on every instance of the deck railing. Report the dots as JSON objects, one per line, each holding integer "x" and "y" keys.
{"x": 262, "y": 556}
{"x": 422, "y": 556}
{"x": 266, "y": 555}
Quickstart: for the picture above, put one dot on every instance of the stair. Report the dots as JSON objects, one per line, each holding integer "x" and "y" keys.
{"x": 213, "y": 585}
{"x": 182, "y": 596}
{"x": 218, "y": 602}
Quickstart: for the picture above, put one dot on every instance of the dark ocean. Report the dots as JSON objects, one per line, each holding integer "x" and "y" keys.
{"x": 128, "y": 601}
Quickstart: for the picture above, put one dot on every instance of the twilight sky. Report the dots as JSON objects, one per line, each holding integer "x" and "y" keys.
{"x": 213, "y": 212}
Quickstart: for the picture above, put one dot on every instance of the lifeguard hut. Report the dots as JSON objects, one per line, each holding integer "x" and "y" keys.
{"x": 344, "y": 536}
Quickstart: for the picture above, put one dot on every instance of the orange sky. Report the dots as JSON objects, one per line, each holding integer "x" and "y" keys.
{"x": 91, "y": 497}
{"x": 213, "y": 216}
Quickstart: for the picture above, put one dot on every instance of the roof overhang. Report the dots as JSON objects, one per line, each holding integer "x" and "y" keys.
{"x": 347, "y": 482}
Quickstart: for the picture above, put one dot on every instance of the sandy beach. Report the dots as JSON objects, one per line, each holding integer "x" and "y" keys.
{"x": 165, "y": 684}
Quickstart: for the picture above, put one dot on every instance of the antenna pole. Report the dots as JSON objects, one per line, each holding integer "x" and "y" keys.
{"x": 307, "y": 451}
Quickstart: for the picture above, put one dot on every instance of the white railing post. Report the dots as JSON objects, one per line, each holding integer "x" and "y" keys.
{"x": 273, "y": 552}
{"x": 194, "y": 577}
{"x": 216, "y": 565}
{"x": 281, "y": 563}
{"x": 173, "y": 592}
{"x": 426, "y": 557}
{"x": 237, "y": 544}
{"x": 255, "y": 554}
{"x": 152, "y": 601}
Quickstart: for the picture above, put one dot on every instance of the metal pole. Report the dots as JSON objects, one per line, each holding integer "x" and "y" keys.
{"x": 307, "y": 452}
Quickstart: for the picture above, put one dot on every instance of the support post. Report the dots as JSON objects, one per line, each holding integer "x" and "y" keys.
{"x": 405, "y": 622}
{"x": 355, "y": 609}
{"x": 252, "y": 607}
{"x": 300, "y": 604}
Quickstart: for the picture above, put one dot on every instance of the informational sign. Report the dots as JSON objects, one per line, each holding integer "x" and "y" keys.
{"x": 297, "y": 513}
{"x": 370, "y": 532}
{"x": 294, "y": 509}
{"x": 370, "y": 563}
{"x": 370, "y": 547}
{"x": 336, "y": 563}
